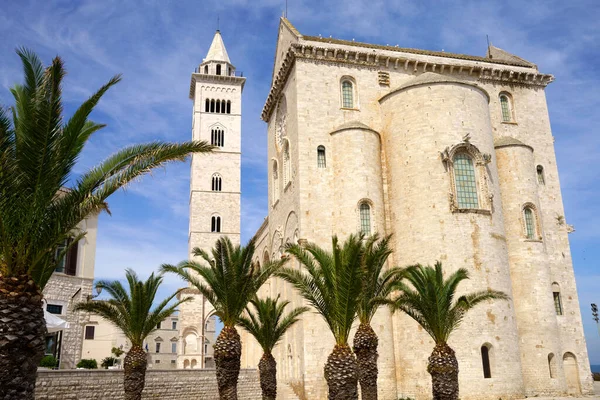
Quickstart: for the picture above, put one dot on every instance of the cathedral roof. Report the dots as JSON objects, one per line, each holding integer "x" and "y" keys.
{"x": 217, "y": 51}
{"x": 429, "y": 78}
{"x": 506, "y": 141}
{"x": 497, "y": 54}
{"x": 352, "y": 125}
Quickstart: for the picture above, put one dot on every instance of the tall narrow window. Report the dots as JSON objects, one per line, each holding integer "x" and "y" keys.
{"x": 552, "y": 365}
{"x": 466, "y": 182}
{"x": 206, "y": 69}
{"x": 217, "y": 137}
{"x": 506, "y": 106}
{"x": 321, "y": 162}
{"x": 215, "y": 224}
{"x": 218, "y": 109}
{"x": 529, "y": 223}
{"x": 365, "y": 219}
{"x": 207, "y": 105}
{"x": 557, "y": 300}
{"x": 275, "y": 182}
{"x": 287, "y": 167}
{"x": 485, "y": 359}
{"x": 347, "y": 94}
{"x": 158, "y": 347}
{"x": 216, "y": 183}
{"x": 174, "y": 348}
{"x": 540, "y": 175}
{"x": 228, "y": 106}
{"x": 218, "y": 69}
{"x": 212, "y": 106}
{"x": 174, "y": 325}
{"x": 89, "y": 332}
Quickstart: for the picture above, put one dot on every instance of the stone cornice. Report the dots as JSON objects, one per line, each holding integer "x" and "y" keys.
{"x": 487, "y": 72}
{"x": 214, "y": 79}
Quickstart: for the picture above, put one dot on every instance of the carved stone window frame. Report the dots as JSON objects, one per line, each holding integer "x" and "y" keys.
{"x": 536, "y": 223}
{"x": 480, "y": 161}
{"x": 372, "y": 210}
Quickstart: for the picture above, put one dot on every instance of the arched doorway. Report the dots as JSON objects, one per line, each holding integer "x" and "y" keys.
{"x": 194, "y": 363}
{"x": 186, "y": 363}
{"x": 571, "y": 373}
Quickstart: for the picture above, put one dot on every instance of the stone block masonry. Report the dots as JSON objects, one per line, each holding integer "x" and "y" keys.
{"x": 164, "y": 385}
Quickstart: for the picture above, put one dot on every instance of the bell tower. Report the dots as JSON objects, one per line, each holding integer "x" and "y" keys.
{"x": 216, "y": 93}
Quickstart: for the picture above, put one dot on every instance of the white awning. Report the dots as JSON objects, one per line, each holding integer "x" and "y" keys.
{"x": 54, "y": 323}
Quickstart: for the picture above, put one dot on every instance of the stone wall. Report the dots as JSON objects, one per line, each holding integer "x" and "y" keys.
{"x": 164, "y": 385}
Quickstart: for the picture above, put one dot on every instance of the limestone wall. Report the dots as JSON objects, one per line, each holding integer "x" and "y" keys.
{"x": 164, "y": 385}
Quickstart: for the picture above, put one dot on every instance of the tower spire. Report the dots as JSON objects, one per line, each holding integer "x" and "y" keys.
{"x": 217, "y": 51}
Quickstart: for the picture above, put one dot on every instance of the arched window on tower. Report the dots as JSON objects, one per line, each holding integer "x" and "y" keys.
{"x": 347, "y": 94}
{"x": 207, "y": 105}
{"x": 321, "y": 161}
{"x": 552, "y": 365}
{"x": 557, "y": 299}
{"x": 212, "y": 106}
{"x": 275, "y": 182}
{"x": 228, "y": 106}
{"x": 218, "y": 109}
{"x": 365, "y": 218}
{"x": 216, "y": 183}
{"x": 485, "y": 359}
{"x": 287, "y": 164}
{"x": 206, "y": 69}
{"x": 215, "y": 223}
{"x": 506, "y": 106}
{"x": 540, "y": 175}
{"x": 217, "y": 137}
{"x": 530, "y": 222}
{"x": 465, "y": 181}
{"x": 218, "y": 69}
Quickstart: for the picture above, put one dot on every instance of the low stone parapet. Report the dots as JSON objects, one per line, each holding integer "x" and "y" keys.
{"x": 197, "y": 384}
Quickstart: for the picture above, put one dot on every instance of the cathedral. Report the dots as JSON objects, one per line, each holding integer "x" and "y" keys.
{"x": 452, "y": 154}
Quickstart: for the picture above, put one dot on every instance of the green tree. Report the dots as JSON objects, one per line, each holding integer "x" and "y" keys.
{"x": 430, "y": 300}
{"x": 38, "y": 151}
{"x": 131, "y": 311}
{"x": 268, "y": 325}
{"x": 377, "y": 285}
{"x": 332, "y": 284}
{"x": 228, "y": 279}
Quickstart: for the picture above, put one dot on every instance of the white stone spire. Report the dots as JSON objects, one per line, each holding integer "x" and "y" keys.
{"x": 217, "y": 51}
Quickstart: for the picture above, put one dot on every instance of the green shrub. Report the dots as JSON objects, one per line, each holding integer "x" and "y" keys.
{"x": 87, "y": 363}
{"x": 117, "y": 351}
{"x": 596, "y": 376}
{"x": 108, "y": 362}
{"x": 48, "y": 362}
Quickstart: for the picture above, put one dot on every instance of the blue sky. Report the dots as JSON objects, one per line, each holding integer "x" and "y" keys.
{"x": 156, "y": 44}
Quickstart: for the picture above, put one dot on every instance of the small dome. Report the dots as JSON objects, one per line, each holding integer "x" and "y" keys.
{"x": 506, "y": 141}
{"x": 432, "y": 77}
{"x": 352, "y": 125}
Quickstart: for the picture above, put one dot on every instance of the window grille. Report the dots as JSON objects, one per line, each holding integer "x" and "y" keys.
{"x": 529, "y": 223}
{"x": 321, "y": 162}
{"x": 365, "y": 219}
{"x": 347, "y": 95}
{"x": 217, "y": 137}
{"x": 557, "y": 303}
{"x": 466, "y": 182}
{"x": 505, "y": 105}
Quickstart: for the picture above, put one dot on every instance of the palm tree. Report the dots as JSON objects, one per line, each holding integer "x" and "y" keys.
{"x": 38, "y": 150}
{"x": 376, "y": 289}
{"x": 130, "y": 312}
{"x": 268, "y": 326}
{"x": 332, "y": 285}
{"x": 430, "y": 302}
{"x": 229, "y": 280}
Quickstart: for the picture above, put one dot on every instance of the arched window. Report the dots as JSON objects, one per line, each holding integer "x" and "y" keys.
{"x": 216, "y": 183}
{"x": 540, "y": 175}
{"x": 228, "y": 106}
{"x": 465, "y": 181}
{"x": 275, "y": 174}
{"x": 530, "y": 223}
{"x": 557, "y": 299}
{"x": 507, "y": 107}
{"x": 287, "y": 165}
{"x": 218, "y": 110}
{"x": 347, "y": 94}
{"x": 217, "y": 137}
{"x": 207, "y": 105}
{"x": 485, "y": 359}
{"x": 218, "y": 69}
{"x": 206, "y": 343}
{"x": 552, "y": 365}
{"x": 212, "y": 106}
{"x": 321, "y": 161}
{"x": 215, "y": 224}
{"x": 365, "y": 218}
{"x": 206, "y": 69}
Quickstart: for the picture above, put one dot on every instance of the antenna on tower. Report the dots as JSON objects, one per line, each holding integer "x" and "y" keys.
{"x": 218, "y": 23}
{"x": 286, "y": 4}
{"x": 488, "y": 42}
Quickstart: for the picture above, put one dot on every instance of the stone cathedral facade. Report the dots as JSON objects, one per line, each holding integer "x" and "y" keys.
{"x": 453, "y": 155}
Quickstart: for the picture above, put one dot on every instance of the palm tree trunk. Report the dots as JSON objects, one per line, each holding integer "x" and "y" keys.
{"x": 135, "y": 364}
{"x": 443, "y": 367}
{"x": 228, "y": 351}
{"x": 267, "y": 368}
{"x": 22, "y": 336}
{"x": 341, "y": 374}
{"x": 365, "y": 348}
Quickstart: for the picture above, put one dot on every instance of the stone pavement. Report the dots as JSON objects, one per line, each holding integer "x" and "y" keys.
{"x": 596, "y": 397}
